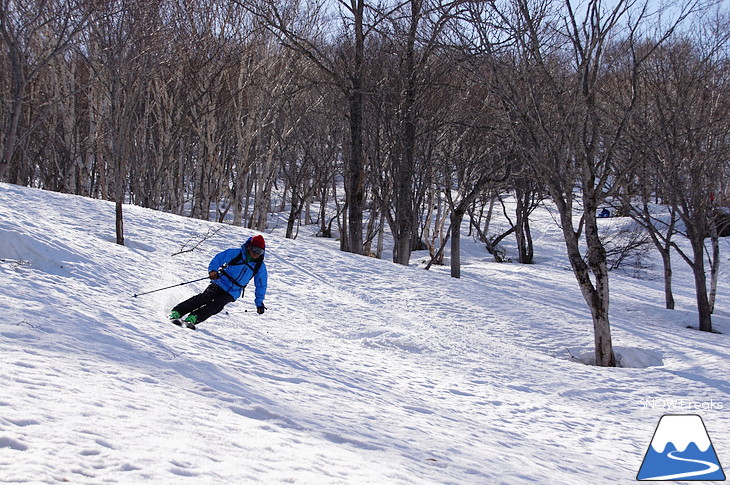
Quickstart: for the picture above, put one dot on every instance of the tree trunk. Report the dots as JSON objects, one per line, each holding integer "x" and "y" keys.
{"x": 488, "y": 220}
{"x": 404, "y": 171}
{"x": 698, "y": 270}
{"x": 522, "y": 225}
{"x": 668, "y": 294}
{"x": 294, "y": 214}
{"x": 596, "y": 296}
{"x": 119, "y": 223}
{"x": 323, "y": 227}
{"x": 456, "y": 218}
{"x": 381, "y": 234}
{"x": 355, "y": 174}
{"x": 714, "y": 264}
{"x": 664, "y": 246}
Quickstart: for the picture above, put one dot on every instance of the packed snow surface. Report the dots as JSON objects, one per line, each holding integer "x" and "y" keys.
{"x": 361, "y": 370}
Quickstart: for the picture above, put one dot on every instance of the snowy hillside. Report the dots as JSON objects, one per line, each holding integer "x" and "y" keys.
{"x": 361, "y": 371}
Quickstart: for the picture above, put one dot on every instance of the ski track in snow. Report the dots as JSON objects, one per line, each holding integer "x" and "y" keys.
{"x": 361, "y": 371}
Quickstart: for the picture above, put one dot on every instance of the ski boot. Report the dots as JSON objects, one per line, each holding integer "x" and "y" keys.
{"x": 190, "y": 321}
{"x": 176, "y": 318}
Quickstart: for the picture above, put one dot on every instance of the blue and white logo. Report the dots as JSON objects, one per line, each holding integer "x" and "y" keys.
{"x": 681, "y": 450}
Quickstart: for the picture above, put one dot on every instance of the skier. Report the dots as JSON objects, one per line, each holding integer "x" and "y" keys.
{"x": 229, "y": 271}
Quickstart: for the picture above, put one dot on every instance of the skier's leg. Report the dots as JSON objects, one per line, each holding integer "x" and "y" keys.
{"x": 199, "y": 300}
{"x": 221, "y": 299}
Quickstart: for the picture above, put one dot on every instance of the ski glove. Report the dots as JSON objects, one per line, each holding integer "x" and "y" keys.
{"x": 260, "y": 309}
{"x": 213, "y": 275}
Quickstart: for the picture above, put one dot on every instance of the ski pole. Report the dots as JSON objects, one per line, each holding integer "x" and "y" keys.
{"x": 168, "y": 287}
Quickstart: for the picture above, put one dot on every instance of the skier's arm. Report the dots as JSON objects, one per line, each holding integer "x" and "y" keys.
{"x": 260, "y": 280}
{"x": 221, "y": 258}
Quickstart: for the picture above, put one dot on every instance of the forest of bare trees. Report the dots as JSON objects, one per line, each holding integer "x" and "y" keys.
{"x": 411, "y": 116}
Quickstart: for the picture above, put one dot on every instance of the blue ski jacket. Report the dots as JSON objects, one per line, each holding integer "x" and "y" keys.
{"x": 234, "y": 277}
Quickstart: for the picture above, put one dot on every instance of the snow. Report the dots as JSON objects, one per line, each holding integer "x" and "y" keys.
{"x": 361, "y": 371}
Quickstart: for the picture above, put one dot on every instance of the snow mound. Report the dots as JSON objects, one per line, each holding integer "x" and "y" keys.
{"x": 626, "y": 357}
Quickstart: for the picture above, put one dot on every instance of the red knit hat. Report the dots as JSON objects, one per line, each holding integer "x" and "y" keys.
{"x": 258, "y": 241}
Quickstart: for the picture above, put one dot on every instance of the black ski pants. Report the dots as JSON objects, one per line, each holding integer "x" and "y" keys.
{"x": 205, "y": 304}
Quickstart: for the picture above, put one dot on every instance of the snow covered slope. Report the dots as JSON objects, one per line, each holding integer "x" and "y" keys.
{"x": 361, "y": 371}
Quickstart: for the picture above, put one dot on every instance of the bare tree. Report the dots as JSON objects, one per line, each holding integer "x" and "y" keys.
{"x": 528, "y": 196}
{"x": 121, "y": 50}
{"x": 32, "y": 33}
{"x": 472, "y": 159}
{"x": 417, "y": 31}
{"x": 303, "y": 29}
{"x": 689, "y": 138}
{"x": 569, "y": 125}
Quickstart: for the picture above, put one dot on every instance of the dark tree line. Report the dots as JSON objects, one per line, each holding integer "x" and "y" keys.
{"x": 411, "y": 116}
